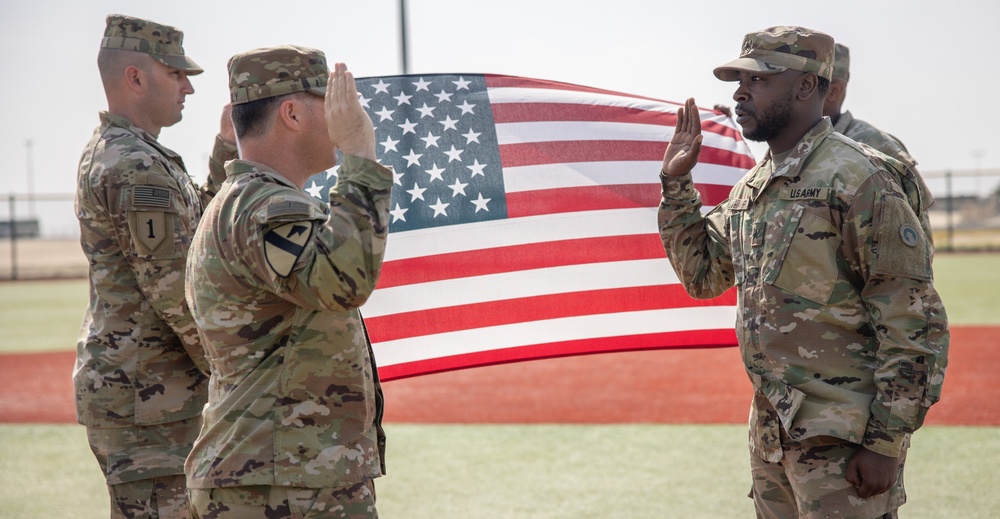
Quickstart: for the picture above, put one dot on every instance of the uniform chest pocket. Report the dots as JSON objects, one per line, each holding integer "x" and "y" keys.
{"x": 805, "y": 262}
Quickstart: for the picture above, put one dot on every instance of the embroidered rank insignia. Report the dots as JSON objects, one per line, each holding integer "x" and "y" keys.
{"x": 739, "y": 204}
{"x": 283, "y": 245}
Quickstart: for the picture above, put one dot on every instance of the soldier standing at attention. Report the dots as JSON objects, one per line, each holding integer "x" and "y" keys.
{"x": 841, "y": 331}
{"x": 293, "y": 425}
{"x": 861, "y": 131}
{"x": 140, "y": 376}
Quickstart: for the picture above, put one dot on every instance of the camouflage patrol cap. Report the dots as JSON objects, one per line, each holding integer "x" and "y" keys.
{"x": 777, "y": 49}
{"x": 162, "y": 42}
{"x": 275, "y": 71}
{"x": 841, "y": 62}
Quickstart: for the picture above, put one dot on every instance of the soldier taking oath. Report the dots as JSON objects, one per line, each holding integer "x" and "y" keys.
{"x": 842, "y": 334}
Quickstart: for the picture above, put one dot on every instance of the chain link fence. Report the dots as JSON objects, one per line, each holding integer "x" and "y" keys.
{"x": 40, "y": 237}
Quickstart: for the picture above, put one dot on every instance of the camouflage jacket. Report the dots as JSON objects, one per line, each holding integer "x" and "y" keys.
{"x": 912, "y": 183}
{"x": 840, "y": 328}
{"x": 139, "y": 360}
{"x": 275, "y": 282}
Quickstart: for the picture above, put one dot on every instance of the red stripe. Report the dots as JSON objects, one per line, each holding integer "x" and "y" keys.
{"x": 557, "y": 152}
{"x": 684, "y": 339}
{"x": 596, "y": 198}
{"x": 520, "y": 257}
{"x": 535, "y": 112}
{"x": 539, "y": 308}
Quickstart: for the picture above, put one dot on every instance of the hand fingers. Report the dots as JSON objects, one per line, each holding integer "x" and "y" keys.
{"x": 694, "y": 117}
{"x": 853, "y": 475}
{"x": 696, "y": 146}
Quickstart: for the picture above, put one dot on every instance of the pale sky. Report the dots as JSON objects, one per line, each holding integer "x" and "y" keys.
{"x": 922, "y": 70}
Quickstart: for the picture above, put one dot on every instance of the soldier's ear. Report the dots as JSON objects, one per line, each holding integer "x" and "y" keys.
{"x": 838, "y": 88}
{"x": 134, "y": 78}
{"x": 288, "y": 113}
{"x": 808, "y": 85}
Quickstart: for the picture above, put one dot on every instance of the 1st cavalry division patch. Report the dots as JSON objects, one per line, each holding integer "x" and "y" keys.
{"x": 283, "y": 246}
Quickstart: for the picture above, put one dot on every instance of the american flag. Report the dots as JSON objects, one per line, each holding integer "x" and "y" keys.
{"x": 523, "y": 222}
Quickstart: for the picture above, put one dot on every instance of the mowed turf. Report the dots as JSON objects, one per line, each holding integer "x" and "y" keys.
{"x": 519, "y": 471}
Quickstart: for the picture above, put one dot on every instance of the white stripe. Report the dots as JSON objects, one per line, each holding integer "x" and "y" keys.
{"x": 413, "y": 349}
{"x": 519, "y": 284}
{"x": 559, "y": 131}
{"x": 577, "y": 174}
{"x": 552, "y": 131}
{"x": 519, "y": 231}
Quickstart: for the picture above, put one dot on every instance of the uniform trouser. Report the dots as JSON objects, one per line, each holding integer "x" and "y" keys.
{"x": 810, "y": 482}
{"x": 271, "y": 502}
{"x": 157, "y": 498}
{"x": 144, "y": 467}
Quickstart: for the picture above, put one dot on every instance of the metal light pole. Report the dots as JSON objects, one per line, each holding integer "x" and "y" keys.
{"x": 28, "y": 145}
{"x": 403, "y": 38}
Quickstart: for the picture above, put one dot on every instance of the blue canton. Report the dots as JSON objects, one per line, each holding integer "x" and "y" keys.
{"x": 437, "y": 133}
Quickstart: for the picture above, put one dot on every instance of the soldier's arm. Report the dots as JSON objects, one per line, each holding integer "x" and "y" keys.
{"x": 326, "y": 261}
{"x": 907, "y": 313}
{"x": 223, "y": 151}
{"x": 154, "y": 233}
{"x": 696, "y": 246}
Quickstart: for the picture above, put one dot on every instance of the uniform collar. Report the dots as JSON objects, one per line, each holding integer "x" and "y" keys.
{"x": 843, "y": 122}
{"x": 109, "y": 119}
{"x": 240, "y": 167}
{"x": 792, "y": 165}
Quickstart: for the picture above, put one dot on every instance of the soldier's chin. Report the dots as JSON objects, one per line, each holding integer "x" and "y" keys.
{"x": 332, "y": 162}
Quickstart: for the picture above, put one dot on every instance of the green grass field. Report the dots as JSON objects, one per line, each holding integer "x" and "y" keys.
{"x": 519, "y": 471}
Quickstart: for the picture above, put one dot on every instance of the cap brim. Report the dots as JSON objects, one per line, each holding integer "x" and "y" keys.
{"x": 318, "y": 90}
{"x": 180, "y": 63}
{"x": 731, "y": 71}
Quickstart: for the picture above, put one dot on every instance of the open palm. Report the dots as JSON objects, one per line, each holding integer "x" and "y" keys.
{"x": 684, "y": 147}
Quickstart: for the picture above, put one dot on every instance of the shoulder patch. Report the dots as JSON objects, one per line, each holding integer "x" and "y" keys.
{"x": 151, "y": 196}
{"x": 909, "y": 235}
{"x": 283, "y": 245}
{"x": 287, "y": 208}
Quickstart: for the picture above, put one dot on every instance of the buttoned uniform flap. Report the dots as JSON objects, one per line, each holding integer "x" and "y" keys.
{"x": 807, "y": 260}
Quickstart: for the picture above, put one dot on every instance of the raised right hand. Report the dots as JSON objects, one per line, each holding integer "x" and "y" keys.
{"x": 682, "y": 151}
{"x": 348, "y": 124}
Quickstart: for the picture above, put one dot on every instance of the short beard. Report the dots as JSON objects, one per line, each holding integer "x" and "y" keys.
{"x": 771, "y": 123}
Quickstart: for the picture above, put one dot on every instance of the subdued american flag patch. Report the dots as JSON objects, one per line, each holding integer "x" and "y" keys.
{"x": 150, "y": 196}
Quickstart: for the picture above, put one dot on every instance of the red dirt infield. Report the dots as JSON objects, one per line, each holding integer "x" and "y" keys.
{"x": 703, "y": 386}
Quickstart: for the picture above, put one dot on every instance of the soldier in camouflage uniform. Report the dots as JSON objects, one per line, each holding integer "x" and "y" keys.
{"x": 140, "y": 377}
{"x": 841, "y": 331}
{"x": 275, "y": 281}
{"x": 864, "y": 133}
